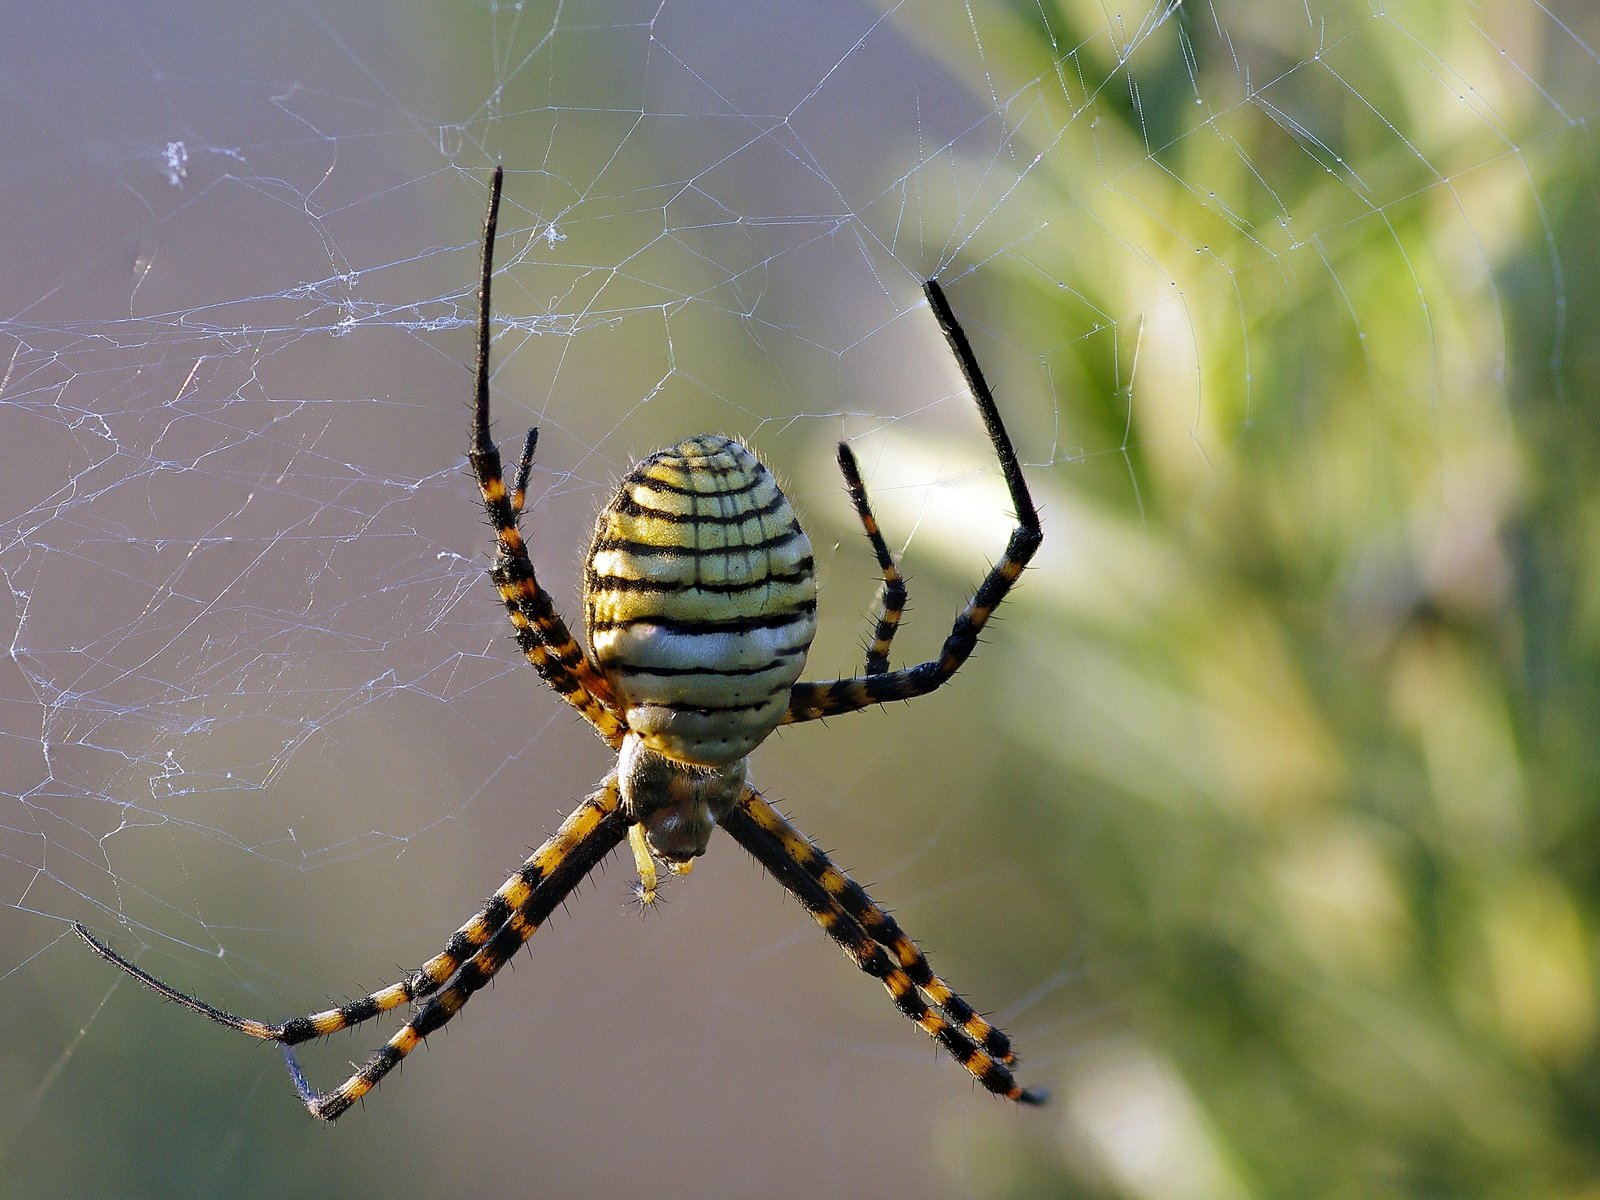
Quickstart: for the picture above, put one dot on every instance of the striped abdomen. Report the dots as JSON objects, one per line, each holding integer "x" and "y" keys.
{"x": 700, "y": 600}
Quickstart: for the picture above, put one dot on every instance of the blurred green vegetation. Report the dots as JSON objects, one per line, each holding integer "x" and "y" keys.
{"x": 1310, "y": 735}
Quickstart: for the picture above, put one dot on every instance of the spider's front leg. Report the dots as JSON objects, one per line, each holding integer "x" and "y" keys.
{"x": 875, "y": 942}
{"x": 586, "y": 837}
{"x": 470, "y": 959}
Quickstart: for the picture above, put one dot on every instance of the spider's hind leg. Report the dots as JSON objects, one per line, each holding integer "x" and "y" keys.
{"x": 892, "y": 600}
{"x": 519, "y": 488}
{"x": 811, "y": 701}
{"x": 541, "y": 633}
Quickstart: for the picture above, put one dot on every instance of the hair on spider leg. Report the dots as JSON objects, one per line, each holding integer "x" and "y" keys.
{"x": 519, "y": 486}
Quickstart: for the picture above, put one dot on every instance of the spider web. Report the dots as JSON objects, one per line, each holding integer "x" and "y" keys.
{"x": 263, "y": 726}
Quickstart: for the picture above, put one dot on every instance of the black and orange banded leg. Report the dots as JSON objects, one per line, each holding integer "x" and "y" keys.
{"x": 848, "y": 915}
{"x": 882, "y": 927}
{"x": 586, "y": 837}
{"x": 473, "y": 954}
{"x": 831, "y": 697}
{"x": 892, "y": 601}
{"x": 542, "y": 635}
{"x": 424, "y": 981}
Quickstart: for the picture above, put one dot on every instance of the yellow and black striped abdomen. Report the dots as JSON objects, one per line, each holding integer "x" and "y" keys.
{"x": 700, "y": 600}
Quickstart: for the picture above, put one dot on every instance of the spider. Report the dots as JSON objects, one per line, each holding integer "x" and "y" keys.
{"x": 700, "y": 604}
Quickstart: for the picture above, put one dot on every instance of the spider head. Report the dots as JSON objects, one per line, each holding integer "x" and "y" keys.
{"x": 678, "y": 804}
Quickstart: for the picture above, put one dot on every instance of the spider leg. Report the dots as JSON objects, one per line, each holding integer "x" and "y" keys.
{"x": 882, "y": 928}
{"x": 826, "y": 698}
{"x": 586, "y": 837}
{"x": 542, "y": 635}
{"x": 869, "y": 935}
{"x": 471, "y": 957}
{"x": 255, "y": 1029}
{"x": 892, "y": 601}
{"x": 422, "y": 982}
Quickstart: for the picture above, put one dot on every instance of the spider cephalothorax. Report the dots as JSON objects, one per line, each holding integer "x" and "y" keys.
{"x": 700, "y": 606}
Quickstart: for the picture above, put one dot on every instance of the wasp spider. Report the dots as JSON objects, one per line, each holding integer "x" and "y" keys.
{"x": 700, "y": 604}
